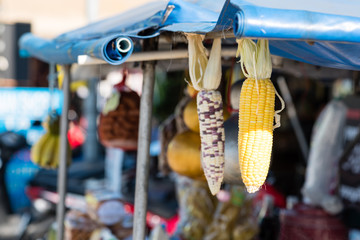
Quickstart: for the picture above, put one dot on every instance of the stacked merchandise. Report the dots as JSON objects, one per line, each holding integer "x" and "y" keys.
{"x": 103, "y": 218}
{"x": 230, "y": 215}
{"x": 106, "y": 208}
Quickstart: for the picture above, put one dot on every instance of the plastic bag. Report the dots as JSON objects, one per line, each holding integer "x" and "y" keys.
{"x": 196, "y": 208}
{"x": 326, "y": 148}
{"x": 234, "y": 216}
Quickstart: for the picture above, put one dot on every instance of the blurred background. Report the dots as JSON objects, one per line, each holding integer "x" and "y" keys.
{"x": 28, "y": 94}
{"x": 51, "y": 18}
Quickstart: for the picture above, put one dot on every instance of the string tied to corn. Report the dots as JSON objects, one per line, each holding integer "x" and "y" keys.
{"x": 205, "y": 76}
{"x": 256, "y": 112}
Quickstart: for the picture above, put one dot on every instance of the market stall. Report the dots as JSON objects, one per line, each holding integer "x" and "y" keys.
{"x": 322, "y": 34}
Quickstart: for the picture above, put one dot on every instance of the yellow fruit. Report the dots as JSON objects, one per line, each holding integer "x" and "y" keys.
{"x": 191, "y": 91}
{"x": 56, "y": 158}
{"x": 191, "y": 118}
{"x": 184, "y": 155}
{"x": 47, "y": 153}
{"x": 36, "y": 149}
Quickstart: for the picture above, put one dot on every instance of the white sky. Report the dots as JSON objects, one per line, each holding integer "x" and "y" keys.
{"x": 50, "y": 18}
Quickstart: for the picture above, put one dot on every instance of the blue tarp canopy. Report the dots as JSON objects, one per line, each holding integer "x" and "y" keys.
{"x": 322, "y": 32}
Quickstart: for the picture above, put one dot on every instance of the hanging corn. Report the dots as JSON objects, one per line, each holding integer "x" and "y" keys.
{"x": 205, "y": 77}
{"x": 256, "y": 113}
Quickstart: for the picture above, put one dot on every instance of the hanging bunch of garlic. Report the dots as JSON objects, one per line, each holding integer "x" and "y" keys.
{"x": 205, "y": 77}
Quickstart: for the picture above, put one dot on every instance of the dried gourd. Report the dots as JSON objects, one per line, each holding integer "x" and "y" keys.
{"x": 183, "y": 155}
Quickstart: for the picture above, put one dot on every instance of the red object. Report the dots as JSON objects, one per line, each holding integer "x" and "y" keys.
{"x": 121, "y": 86}
{"x": 306, "y": 222}
{"x": 33, "y": 192}
{"x": 279, "y": 198}
{"x": 152, "y": 220}
{"x": 76, "y": 136}
{"x": 353, "y": 114}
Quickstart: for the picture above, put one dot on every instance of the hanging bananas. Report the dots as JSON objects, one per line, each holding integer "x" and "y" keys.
{"x": 46, "y": 151}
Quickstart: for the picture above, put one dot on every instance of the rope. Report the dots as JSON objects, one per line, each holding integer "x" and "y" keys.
{"x": 277, "y": 115}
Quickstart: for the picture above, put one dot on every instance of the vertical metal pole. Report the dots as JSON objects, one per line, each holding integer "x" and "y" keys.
{"x": 142, "y": 162}
{"x": 91, "y": 143}
{"x": 62, "y": 171}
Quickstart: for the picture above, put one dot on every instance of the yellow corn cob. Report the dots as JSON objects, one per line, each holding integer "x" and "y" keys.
{"x": 256, "y": 115}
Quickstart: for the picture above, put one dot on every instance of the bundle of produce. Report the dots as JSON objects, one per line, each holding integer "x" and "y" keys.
{"x": 205, "y": 77}
{"x": 256, "y": 113}
{"x": 196, "y": 208}
{"x": 46, "y": 151}
{"x": 119, "y": 121}
{"x": 233, "y": 217}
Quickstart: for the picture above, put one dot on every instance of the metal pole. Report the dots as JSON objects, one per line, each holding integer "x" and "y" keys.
{"x": 62, "y": 171}
{"x": 153, "y": 56}
{"x": 293, "y": 117}
{"x": 91, "y": 143}
{"x": 142, "y": 162}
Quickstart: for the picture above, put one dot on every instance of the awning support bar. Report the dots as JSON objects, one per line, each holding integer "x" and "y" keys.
{"x": 143, "y": 156}
{"x": 62, "y": 171}
{"x": 153, "y": 56}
